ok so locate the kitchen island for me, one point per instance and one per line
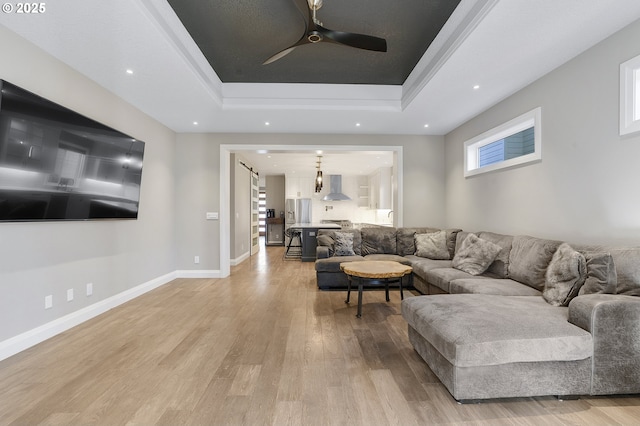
(308, 233)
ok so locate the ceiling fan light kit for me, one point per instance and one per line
(314, 4)
(314, 32)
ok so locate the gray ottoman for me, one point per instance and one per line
(485, 346)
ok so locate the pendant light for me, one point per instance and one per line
(318, 175)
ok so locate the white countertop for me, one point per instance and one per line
(316, 225)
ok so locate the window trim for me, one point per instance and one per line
(629, 96)
(529, 119)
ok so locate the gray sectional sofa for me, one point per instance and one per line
(379, 243)
(533, 317)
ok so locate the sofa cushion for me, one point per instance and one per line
(529, 259)
(332, 264)
(386, 257)
(601, 274)
(343, 245)
(472, 330)
(405, 243)
(487, 285)
(627, 263)
(379, 240)
(421, 264)
(565, 275)
(500, 266)
(432, 245)
(452, 237)
(475, 255)
(441, 277)
(325, 240)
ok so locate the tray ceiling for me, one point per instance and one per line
(236, 37)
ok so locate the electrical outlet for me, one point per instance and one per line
(48, 301)
(89, 289)
(69, 295)
(196, 259)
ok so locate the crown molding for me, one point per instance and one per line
(464, 20)
(161, 13)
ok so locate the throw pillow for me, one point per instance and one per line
(564, 277)
(432, 245)
(529, 259)
(475, 255)
(601, 274)
(327, 241)
(344, 244)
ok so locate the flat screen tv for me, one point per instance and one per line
(56, 164)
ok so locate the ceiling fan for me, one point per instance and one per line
(315, 33)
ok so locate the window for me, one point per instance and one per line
(514, 143)
(630, 96)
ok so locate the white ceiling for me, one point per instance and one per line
(500, 45)
(303, 163)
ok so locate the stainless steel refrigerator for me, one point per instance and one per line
(297, 210)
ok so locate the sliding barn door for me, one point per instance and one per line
(255, 214)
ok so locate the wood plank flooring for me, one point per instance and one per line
(261, 347)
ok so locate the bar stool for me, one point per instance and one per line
(294, 248)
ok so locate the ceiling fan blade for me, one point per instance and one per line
(288, 50)
(307, 19)
(360, 41)
(279, 55)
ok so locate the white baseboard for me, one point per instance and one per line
(238, 260)
(198, 273)
(32, 337)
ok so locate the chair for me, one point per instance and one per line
(294, 248)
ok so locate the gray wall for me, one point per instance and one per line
(275, 193)
(197, 179)
(585, 188)
(198, 156)
(47, 258)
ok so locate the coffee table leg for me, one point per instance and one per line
(401, 292)
(359, 314)
(386, 289)
(348, 288)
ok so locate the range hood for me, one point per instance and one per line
(335, 189)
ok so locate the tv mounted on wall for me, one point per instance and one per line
(56, 164)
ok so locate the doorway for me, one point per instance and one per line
(226, 209)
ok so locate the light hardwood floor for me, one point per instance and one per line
(260, 347)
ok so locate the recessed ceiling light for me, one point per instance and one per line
(129, 71)
(476, 87)
(266, 123)
(426, 125)
(195, 123)
(357, 124)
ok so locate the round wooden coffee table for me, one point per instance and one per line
(374, 272)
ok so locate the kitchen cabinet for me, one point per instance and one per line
(380, 189)
(363, 191)
(298, 186)
(274, 235)
(373, 190)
